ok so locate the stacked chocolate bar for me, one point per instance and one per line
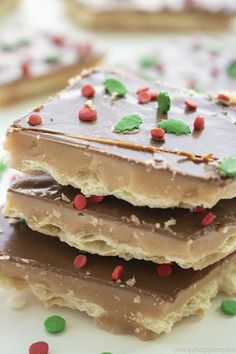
(137, 183)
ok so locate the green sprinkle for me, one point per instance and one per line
(163, 100)
(128, 123)
(229, 307)
(3, 167)
(116, 87)
(173, 126)
(148, 62)
(23, 42)
(231, 69)
(52, 58)
(54, 324)
(228, 166)
(7, 47)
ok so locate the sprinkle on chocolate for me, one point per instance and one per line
(173, 126)
(228, 166)
(158, 134)
(116, 87)
(199, 123)
(80, 202)
(88, 91)
(208, 219)
(164, 103)
(190, 104)
(117, 273)
(35, 119)
(128, 123)
(164, 270)
(80, 261)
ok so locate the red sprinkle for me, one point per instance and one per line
(96, 199)
(35, 119)
(39, 348)
(58, 40)
(164, 270)
(144, 96)
(83, 49)
(117, 272)
(215, 71)
(88, 91)
(199, 209)
(26, 68)
(190, 104)
(154, 95)
(158, 134)
(142, 88)
(160, 67)
(208, 219)
(80, 202)
(224, 99)
(80, 261)
(199, 123)
(87, 114)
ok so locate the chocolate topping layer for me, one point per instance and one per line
(23, 245)
(160, 235)
(62, 128)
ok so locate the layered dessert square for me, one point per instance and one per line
(137, 15)
(149, 144)
(122, 296)
(36, 62)
(111, 227)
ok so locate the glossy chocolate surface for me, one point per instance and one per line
(188, 223)
(61, 124)
(21, 245)
(198, 62)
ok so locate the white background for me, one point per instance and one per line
(18, 329)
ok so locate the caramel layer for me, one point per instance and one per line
(116, 228)
(142, 303)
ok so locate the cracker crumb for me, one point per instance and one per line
(135, 220)
(137, 300)
(170, 222)
(131, 282)
(56, 213)
(65, 198)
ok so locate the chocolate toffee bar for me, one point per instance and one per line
(116, 228)
(182, 15)
(34, 62)
(142, 142)
(7, 6)
(209, 63)
(138, 300)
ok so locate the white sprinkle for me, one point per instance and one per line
(16, 301)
